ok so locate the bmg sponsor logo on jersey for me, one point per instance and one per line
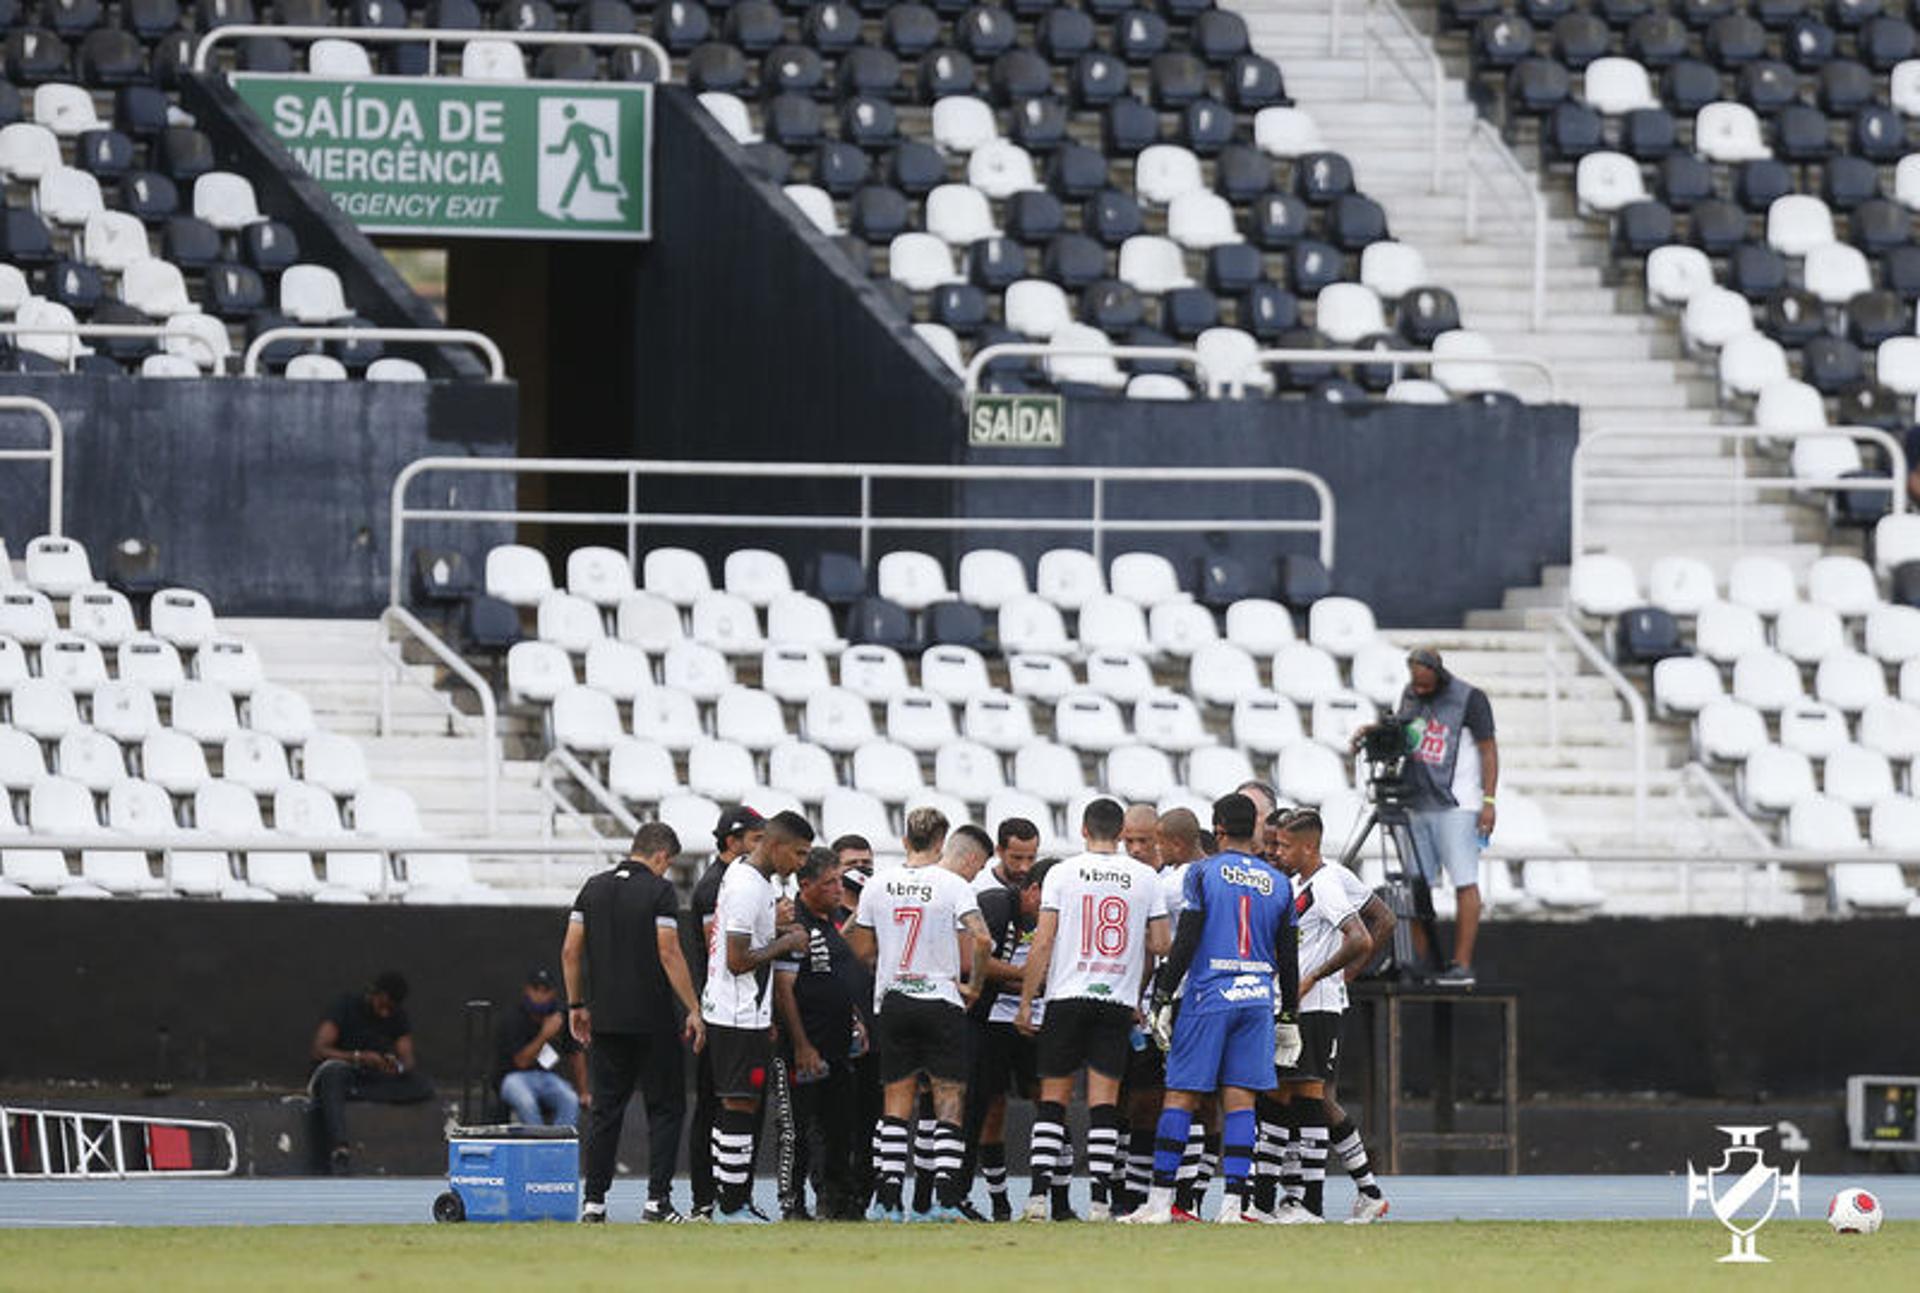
(1247, 878)
(1094, 875)
(918, 890)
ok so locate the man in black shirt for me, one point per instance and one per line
(624, 972)
(1003, 1060)
(822, 1012)
(737, 834)
(363, 1050)
(538, 1069)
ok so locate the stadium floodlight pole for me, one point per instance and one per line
(480, 341)
(432, 38)
(54, 455)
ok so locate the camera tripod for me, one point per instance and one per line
(1406, 892)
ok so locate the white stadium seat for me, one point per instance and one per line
(1727, 731)
(955, 674)
(1714, 316)
(874, 673)
(1179, 628)
(836, 719)
(1040, 677)
(1676, 274)
(1849, 680)
(1603, 585)
(962, 123)
(1813, 729)
(1684, 685)
(1260, 625)
(1090, 722)
(1266, 723)
(1170, 720)
(1286, 132)
(1614, 87)
(492, 60)
(989, 577)
(1774, 779)
(1724, 632)
(1729, 132)
(518, 575)
(1766, 680)
(1604, 182)
(1304, 673)
(1857, 777)
(601, 575)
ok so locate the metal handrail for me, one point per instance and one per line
(54, 455)
(562, 758)
(1096, 522)
(496, 363)
(81, 331)
(1484, 135)
(1436, 73)
(1428, 358)
(398, 617)
(1636, 711)
(1015, 349)
(1739, 484)
(432, 38)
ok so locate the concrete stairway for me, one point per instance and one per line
(334, 664)
(1620, 364)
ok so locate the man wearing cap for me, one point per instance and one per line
(540, 1071)
(737, 834)
(1453, 766)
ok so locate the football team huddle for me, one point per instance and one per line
(1194, 979)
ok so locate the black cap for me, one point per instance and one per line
(1234, 815)
(539, 979)
(736, 820)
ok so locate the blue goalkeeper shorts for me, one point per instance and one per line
(1224, 1048)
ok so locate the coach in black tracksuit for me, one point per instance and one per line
(625, 972)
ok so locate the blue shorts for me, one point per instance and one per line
(1226, 1048)
(1446, 841)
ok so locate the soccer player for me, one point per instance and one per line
(1334, 941)
(1139, 835)
(1234, 946)
(1002, 1059)
(752, 930)
(1177, 839)
(1101, 920)
(737, 834)
(919, 928)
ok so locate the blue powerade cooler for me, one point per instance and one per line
(511, 1173)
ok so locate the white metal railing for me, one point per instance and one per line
(1046, 349)
(1738, 485)
(54, 455)
(432, 38)
(94, 1145)
(1418, 358)
(398, 620)
(1424, 59)
(1697, 776)
(1095, 522)
(1636, 709)
(561, 761)
(107, 331)
(1483, 141)
(480, 341)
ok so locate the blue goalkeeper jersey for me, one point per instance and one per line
(1248, 905)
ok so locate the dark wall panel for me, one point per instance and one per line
(270, 496)
(1723, 1009)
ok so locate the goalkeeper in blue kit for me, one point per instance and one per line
(1234, 946)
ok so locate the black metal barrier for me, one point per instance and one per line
(1698, 1008)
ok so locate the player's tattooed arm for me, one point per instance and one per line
(975, 943)
(1379, 920)
(744, 958)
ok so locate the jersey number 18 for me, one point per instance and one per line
(1103, 926)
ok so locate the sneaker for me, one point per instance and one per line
(1455, 976)
(1002, 1210)
(878, 1211)
(1148, 1215)
(702, 1212)
(1232, 1212)
(1294, 1213)
(798, 1212)
(1037, 1209)
(593, 1214)
(340, 1162)
(967, 1212)
(1099, 1212)
(747, 1216)
(1367, 1209)
(763, 1218)
(1182, 1215)
(661, 1211)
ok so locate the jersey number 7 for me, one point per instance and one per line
(910, 917)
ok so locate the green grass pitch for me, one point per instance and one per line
(1486, 1257)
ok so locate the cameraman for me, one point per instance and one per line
(1450, 791)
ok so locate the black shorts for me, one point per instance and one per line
(918, 1035)
(740, 1059)
(1319, 1048)
(1081, 1033)
(1003, 1062)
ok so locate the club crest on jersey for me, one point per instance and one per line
(1303, 900)
(1248, 878)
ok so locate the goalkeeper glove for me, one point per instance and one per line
(1286, 1042)
(1160, 1021)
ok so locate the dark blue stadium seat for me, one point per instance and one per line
(716, 67)
(1846, 182)
(522, 15)
(24, 239)
(1139, 34)
(1279, 220)
(234, 291)
(106, 154)
(190, 242)
(1234, 268)
(960, 306)
(1683, 179)
(770, 161)
(266, 54)
(1656, 40)
(1312, 265)
(792, 69)
(680, 25)
(1111, 216)
(1355, 222)
(1500, 40)
(1648, 134)
(869, 122)
(839, 168)
(1040, 124)
(269, 246)
(1186, 312)
(1268, 311)
(916, 167)
(1579, 38)
(1254, 82)
(148, 196)
(1640, 227)
(1425, 313)
(566, 63)
(1646, 635)
(1076, 172)
(879, 214)
(1571, 131)
(867, 70)
(1019, 75)
(1878, 225)
(1795, 317)
(1074, 261)
(1688, 85)
(1096, 80)
(875, 621)
(1319, 178)
(1176, 78)
(1035, 216)
(1536, 85)
(1221, 579)
(1242, 173)
(35, 55)
(910, 30)
(1113, 307)
(111, 57)
(830, 27)
(996, 263)
(1063, 35)
(1207, 126)
(1757, 184)
(1831, 364)
(1129, 126)
(985, 32)
(1716, 226)
(1877, 316)
(956, 623)
(1756, 271)
(792, 120)
(76, 286)
(942, 72)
